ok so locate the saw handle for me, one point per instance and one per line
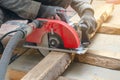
(85, 36)
(38, 23)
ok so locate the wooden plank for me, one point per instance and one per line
(23, 64)
(110, 28)
(53, 65)
(112, 25)
(102, 61)
(104, 51)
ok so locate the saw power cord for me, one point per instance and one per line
(6, 56)
(8, 34)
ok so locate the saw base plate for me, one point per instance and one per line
(80, 50)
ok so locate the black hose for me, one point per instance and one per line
(7, 34)
(1, 47)
(8, 53)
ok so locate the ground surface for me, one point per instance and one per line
(82, 71)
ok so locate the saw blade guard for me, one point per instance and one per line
(66, 32)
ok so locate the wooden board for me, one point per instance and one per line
(24, 64)
(104, 51)
(112, 25)
(53, 65)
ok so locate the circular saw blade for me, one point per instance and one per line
(44, 43)
(50, 41)
(55, 41)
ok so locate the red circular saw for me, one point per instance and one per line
(54, 35)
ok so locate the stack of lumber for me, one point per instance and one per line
(103, 51)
